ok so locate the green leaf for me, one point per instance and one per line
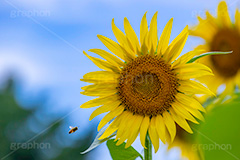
(207, 54)
(219, 135)
(96, 141)
(121, 153)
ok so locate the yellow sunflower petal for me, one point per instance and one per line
(131, 35)
(102, 64)
(223, 14)
(111, 128)
(195, 113)
(105, 108)
(108, 56)
(178, 108)
(164, 38)
(237, 19)
(120, 141)
(195, 74)
(176, 47)
(187, 57)
(120, 36)
(110, 116)
(211, 82)
(211, 19)
(121, 129)
(193, 87)
(192, 70)
(190, 67)
(153, 36)
(189, 101)
(207, 26)
(95, 93)
(180, 121)
(123, 41)
(99, 89)
(101, 77)
(102, 86)
(184, 31)
(153, 134)
(135, 130)
(206, 29)
(128, 127)
(160, 127)
(114, 47)
(143, 29)
(100, 101)
(143, 130)
(202, 47)
(145, 47)
(168, 137)
(170, 124)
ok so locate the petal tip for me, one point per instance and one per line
(99, 36)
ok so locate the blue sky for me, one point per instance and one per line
(43, 41)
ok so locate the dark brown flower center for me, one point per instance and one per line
(226, 40)
(147, 86)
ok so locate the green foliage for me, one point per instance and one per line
(14, 129)
(219, 135)
(11, 116)
(120, 153)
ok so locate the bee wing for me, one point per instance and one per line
(71, 127)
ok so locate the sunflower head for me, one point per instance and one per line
(220, 34)
(147, 85)
(142, 86)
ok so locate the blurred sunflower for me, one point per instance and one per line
(220, 34)
(188, 145)
(144, 89)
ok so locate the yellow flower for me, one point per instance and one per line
(220, 34)
(145, 89)
(188, 144)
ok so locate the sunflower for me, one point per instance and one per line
(188, 145)
(142, 87)
(220, 34)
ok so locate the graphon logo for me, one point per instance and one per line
(30, 145)
(29, 13)
(211, 147)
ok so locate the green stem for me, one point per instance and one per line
(148, 150)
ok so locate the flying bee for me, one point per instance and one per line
(72, 129)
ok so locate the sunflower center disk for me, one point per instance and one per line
(147, 86)
(226, 40)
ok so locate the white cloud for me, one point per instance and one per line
(13, 61)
